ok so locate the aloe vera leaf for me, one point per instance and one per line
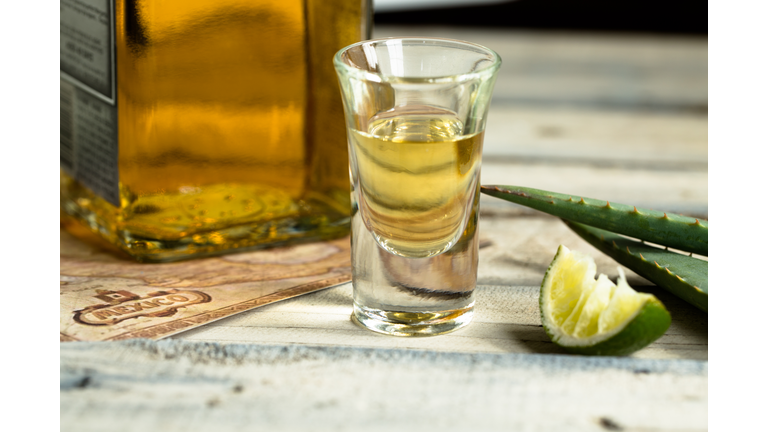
(683, 276)
(668, 229)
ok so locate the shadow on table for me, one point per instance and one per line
(535, 340)
(687, 322)
(686, 319)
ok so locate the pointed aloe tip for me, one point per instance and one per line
(628, 251)
(608, 205)
(642, 257)
(635, 210)
(615, 245)
(582, 201)
(570, 198)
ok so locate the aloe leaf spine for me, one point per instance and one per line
(668, 229)
(683, 276)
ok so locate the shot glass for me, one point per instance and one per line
(415, 111)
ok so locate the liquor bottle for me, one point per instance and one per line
(196, 127)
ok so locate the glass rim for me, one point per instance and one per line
(376, 77)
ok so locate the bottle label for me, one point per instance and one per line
(88, 143)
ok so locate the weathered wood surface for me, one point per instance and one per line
(173, 386)
(619, 71)
(507, 310)
(616, 117)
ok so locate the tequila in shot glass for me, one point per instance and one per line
(415, 113)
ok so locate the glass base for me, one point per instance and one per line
(412, 323)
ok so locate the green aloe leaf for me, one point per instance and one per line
(668, 229)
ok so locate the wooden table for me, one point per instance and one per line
(621, 118)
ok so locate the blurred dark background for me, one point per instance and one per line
(646, 16)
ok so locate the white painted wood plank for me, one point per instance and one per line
(173, 386)
(626, 70)
(267, 326)
(675, 191)
(651, 140)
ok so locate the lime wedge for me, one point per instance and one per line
(596, 317)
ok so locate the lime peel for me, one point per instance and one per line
(596, 317)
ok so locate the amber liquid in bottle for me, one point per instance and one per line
(230, 127)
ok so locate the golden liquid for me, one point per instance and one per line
(230, 126)
(417, 178)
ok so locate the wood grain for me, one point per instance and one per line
(591, 137)
(614, 71)
(181, 386)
